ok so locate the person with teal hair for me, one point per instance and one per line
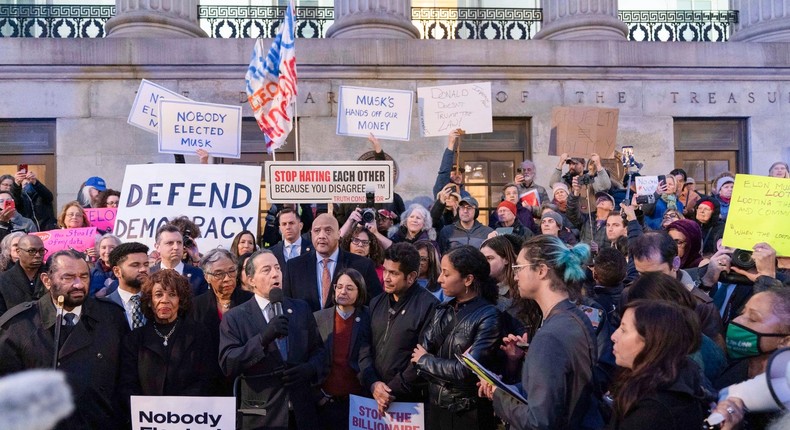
(557, 370)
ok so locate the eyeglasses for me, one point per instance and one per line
(34, 251)
(360, 242)
(222, 275)
(517, 267)
(671, 216)
(74, 215)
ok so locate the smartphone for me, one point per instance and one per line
(21, 168)
(662, 178)
(628, 152)
(9, 204)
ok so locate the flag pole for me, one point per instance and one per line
(296, 98)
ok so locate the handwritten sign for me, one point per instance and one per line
(221, 199)
(183, 413)
(102, 218)
(145, 109)
(364, 415)
(328, 181)
(646, 185)
(581, 131)
(445, 108)
(187, 126)
(78, 239)
(385, 113)
(759, 209)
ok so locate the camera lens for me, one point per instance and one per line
(743, 259)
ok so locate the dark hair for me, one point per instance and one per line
(119, 253)
(652, 243)
(468, 260)
(406, 255)
(169, 279)
(670, 333)
(52, 261)
(167, 228)
(433, 263)
(567, 265)
(610, 267)
(234, 247)
(359, 281)
(681, 172)
(504, 249)
(4, 177)
(104, 195)
(660, 286)
(287, 210)
(516, 241)
(185, 224)
(249, 268)
(375, 252)
(240, 268)
(780, 305)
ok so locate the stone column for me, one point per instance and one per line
(581, 20)
(155, 18)
(375, 19)
(761, 21)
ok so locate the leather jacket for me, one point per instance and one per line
(475, 325)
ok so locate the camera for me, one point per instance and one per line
(646, 200)
(188, 241)
(742, 259)
(585, 178)
(368, 215)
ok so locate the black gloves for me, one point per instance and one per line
(277, 327)
(297, 374)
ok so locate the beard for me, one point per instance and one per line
(133, 282)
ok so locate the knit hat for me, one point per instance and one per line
(553, 215)
(559, 186)
(508, 205)
(707, 203)
(723, 181)
(693, 246)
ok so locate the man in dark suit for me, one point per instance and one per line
(275, 357)
(293, 243)
(129, 263)
(310, 277)
(89, 347)
(21, 283)
(170, 245)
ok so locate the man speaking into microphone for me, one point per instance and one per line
(273, 347)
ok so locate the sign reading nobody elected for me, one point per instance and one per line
(328, 181)
(385, 113)
(222, 200)
(183, 413)
(187, 126)
(363, 414)
(581, 131)
(145, 110)
(759, 210)
(445, 108)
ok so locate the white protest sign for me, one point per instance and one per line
(145, 109)
(221, 199)
(186, 126)
(363, 414)
(385, 113)
(646, 185)
(465, 106)
(328, 181)
(183, 413)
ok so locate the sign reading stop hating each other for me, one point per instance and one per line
(328, 182)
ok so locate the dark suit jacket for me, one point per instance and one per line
(196, 278)
(279, 250)
(89, 356)
(360, 355)
(300, 280)
(15, 288)
(262, 396)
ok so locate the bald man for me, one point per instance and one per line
(22, 282)
(311, 276)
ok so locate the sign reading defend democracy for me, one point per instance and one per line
(759, 211)
(385, 113)
(363, 414)
(183, 413)
(78, 239)
(445, 108)
(328, 181)
(187, 126)
(222, 200)
(145, 110)
(581, 131)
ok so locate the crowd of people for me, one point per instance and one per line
(602, 310)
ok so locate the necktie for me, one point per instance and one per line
(68, 319)
(138, 320)
(68, 326)
(282, 343)
(326, 280)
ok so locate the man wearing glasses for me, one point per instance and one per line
(22, 282)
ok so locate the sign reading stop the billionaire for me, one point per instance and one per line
(328, 181)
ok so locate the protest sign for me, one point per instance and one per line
(530, 197)
(328, 181)
(580, 131)
(363, 414)
(186, 126)
(221, 199)
(183, 413)
(78, 239)
(102, 218)
(759, 210)
(385, 113)
(446, 108)
(646, 185)
(145, 109)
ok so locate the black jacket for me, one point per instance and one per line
(15, 287)
(36, 206)
(475, 326)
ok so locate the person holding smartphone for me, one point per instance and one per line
(33, 199)
(10, 219)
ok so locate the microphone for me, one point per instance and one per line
(276, 299)
(34, 400)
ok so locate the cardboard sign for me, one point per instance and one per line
(328, 181)
(531, 197)
(183, 413)
(646, 185)
(187, 126)
(145, 109)
(78, 239)
(221, 199)
(102, 218)
(363, 414)
(759, 212)
(385, 113)
(581, 131)
(446, 108)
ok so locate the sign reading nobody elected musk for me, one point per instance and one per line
(221, 199)
(328, 181)
(363, 414)
(183, 413)
(445, 108)
(187, 126)
(385, 113)
(145, 110)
